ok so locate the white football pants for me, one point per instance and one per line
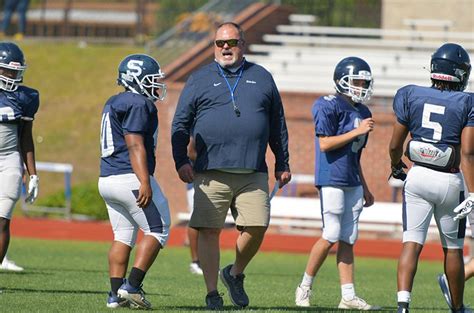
(120, 195)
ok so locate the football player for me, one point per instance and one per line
(342, 123)
(440, 120)
(133, 197)
(18, 106)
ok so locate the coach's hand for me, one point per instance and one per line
(464, 208)
(398, 171)
(33, 188)
(186, 173)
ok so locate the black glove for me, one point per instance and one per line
(398, 172)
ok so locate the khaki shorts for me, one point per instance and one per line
(216, 192)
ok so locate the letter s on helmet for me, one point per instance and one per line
(140, 73)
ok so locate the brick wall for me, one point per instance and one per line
(375, 159)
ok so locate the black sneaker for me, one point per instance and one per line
(235, 286)
(214, 301)
(402, 307)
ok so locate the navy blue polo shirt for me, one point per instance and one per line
(223, 138)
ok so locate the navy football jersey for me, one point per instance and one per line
(20, 104)
(432, 115)
(333, 116)
(126, 113)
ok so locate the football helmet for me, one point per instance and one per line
(140, 73)
(12, 66)
(348, 70)
(451, 63)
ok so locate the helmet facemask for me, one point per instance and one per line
(152, 88)
(149, 85)
(11, 75)
(348, 87)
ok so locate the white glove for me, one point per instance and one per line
(464, 208)
(33, 187)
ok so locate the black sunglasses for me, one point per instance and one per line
(230, 42)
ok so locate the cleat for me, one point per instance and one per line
(214, 301)
(235, 286)
(443, 284)
(135, 296)
(9, 265)
(357, 303)
(114, 301)
(302, 295)
(194, 268)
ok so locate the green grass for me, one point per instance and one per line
(65, 276)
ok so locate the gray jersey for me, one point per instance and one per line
(8, 138)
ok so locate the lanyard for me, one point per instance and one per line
(232, 89)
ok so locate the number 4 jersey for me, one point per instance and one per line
(126, 113)
(434, 116)
(334, 116)
(15, 106)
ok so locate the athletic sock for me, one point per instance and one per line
(115, 283)
(347, 291)
(307, 280)
(136, 277)
(404, 297)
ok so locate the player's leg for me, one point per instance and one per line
(469, 266)
(353, 204)
(8, 9)
(332, 208)
(117, 194)
(452, 235)
(417, 213)
(154, 221)
(251, 211)
(22, 7)
(10, 188)
(195, 266)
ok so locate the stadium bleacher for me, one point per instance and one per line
(302, 57)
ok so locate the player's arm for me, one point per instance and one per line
(27, 149)
(467, 166)
(328, 143)
(467, 156)
(137, 152)
(400, 133)
(368, 197)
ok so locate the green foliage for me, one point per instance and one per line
(172, 11)
(85, 200)
(68, 276)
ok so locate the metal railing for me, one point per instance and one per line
(193, 29)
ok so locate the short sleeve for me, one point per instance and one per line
(400, 107)
(135, 120)
(31, 105)
(470, 119)
(325, 118)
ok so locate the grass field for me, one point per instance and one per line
(64, 276)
